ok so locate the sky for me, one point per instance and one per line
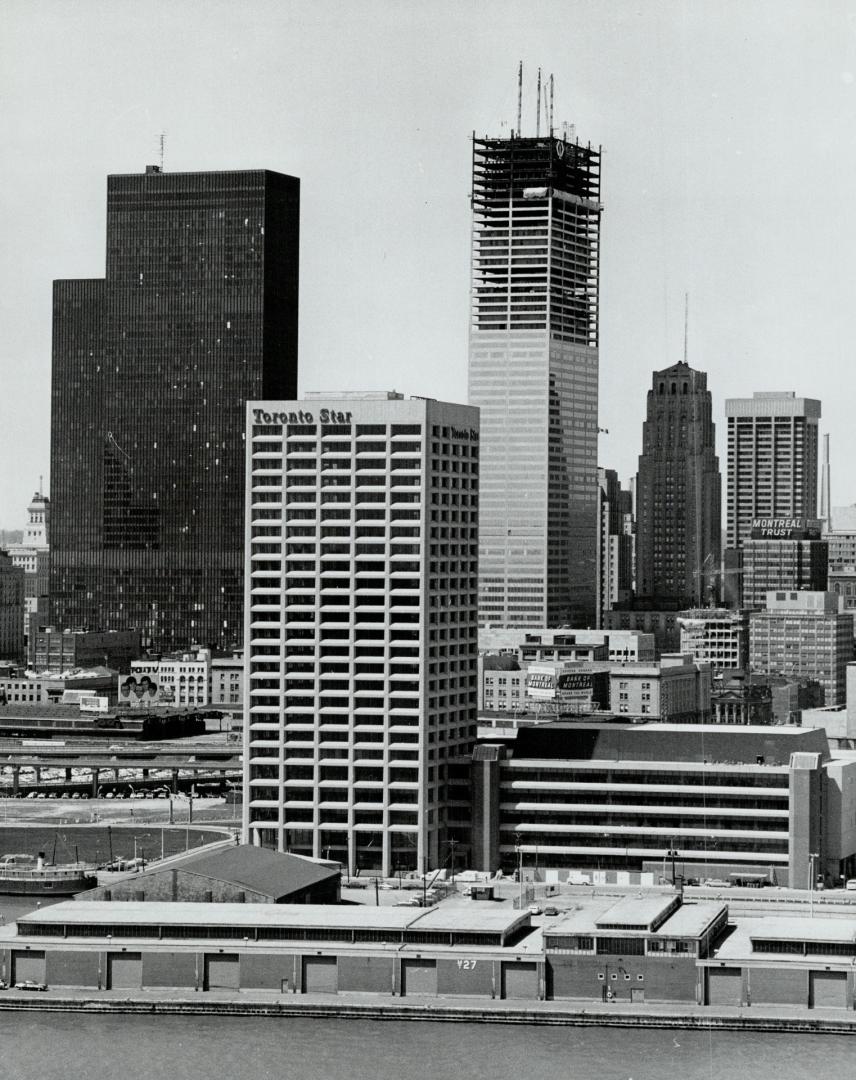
(729, 138)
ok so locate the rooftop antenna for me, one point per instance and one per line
(825, 493)
(686, 323)
(538, 109)
(41, 480)
(520, 99)
(162, 140)
(551, 105)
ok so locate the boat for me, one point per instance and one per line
(27, 875)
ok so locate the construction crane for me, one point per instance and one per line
(718, 573)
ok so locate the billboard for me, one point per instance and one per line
(541, 685)
(785, 528)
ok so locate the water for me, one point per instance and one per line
(57, 1046)
(97, 844)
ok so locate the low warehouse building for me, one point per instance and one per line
(239, 874)
(785, 961)
(638, 949)
(474, 950)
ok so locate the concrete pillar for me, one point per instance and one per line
(68, 776)
(16, 778)
(174, 784)
(94, 783)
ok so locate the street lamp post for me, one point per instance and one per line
(812, 856)
(519, 851)
(672, 854)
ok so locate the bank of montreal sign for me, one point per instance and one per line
(785, 529)
(544, 685)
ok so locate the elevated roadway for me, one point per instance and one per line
(147, 764)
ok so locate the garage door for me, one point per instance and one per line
(827, 990)
(222, 972)
(124, 971)
(419, 977)
(520, 980)
(28, 965)
(724, 986)
(320, 975)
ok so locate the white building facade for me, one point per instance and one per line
(360, 624)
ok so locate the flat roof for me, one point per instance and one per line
(828, 928)
(636, 911)
(691, 919)
(467, 916)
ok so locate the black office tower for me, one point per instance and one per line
(678, 494)
(152, 367)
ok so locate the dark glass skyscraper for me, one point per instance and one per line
(678, 493)
(152, 366)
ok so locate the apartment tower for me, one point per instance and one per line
(533, 373)
(361, 628)
(152, 367)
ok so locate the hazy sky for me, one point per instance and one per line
(729, 172)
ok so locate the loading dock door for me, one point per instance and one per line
(724, 986)
(320, 975)
(124, 971)
(827, 990)
(419, 977)
(28, 965)
(222, 971)
(520, 980)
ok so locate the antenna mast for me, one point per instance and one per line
(551, 105)
(538, 109)
(686, 323)
(520, 99)
(162, 140)
(825, 492)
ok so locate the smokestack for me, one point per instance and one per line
(825, 490)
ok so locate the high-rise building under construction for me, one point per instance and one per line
(533, 372)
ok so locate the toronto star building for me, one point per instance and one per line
(361, 627)
(152, 366)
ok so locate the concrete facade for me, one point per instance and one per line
(805, 636)
(361, 626)
(728, 800)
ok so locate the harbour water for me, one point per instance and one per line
(42, 1046)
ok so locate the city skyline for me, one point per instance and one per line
(700, 176)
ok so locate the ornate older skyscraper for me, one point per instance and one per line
(152, 367)
(533, 374)
(678, 493)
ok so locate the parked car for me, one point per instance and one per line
(30, 984)
(850, 884)
(551, 910)
(716, 883)
(534, 909)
